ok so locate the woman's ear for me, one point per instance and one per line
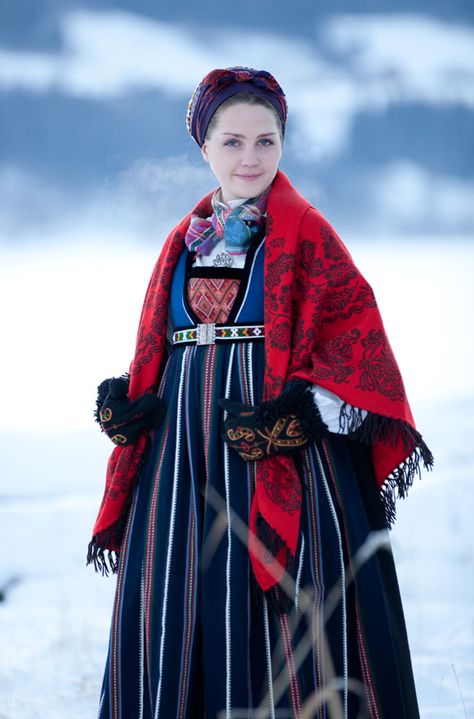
(204, 154)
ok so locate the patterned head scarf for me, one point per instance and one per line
(219, 85)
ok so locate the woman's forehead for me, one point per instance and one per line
(236, 117)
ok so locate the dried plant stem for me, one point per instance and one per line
(330, 693)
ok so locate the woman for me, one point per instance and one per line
(262, 439)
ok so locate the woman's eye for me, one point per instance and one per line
(264, 141)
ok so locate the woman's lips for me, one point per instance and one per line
(248, 178)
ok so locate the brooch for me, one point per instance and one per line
(223, 259)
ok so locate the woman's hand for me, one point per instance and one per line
(123, 420)
(282, 425)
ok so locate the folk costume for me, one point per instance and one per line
(240, 583)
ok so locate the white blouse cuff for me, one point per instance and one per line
(329, 405)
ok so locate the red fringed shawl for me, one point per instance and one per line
(322, 324)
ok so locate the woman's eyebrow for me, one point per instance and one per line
(236, 134)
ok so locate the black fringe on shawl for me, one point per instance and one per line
(377, 428)
(103, 559)
(277, 598)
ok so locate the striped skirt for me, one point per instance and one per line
(190, 637)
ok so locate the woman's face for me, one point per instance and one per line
(243, 150)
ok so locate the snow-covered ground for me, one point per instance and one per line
(68, 320)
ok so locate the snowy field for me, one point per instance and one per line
(68, 320)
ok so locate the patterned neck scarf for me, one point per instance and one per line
(236, 225)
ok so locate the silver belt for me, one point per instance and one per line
(208, 333)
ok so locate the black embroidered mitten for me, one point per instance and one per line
(123, 420)
(284, 424)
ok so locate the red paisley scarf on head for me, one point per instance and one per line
(322, 325)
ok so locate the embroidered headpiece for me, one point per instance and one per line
(218, 85)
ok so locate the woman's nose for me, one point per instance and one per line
(249, 158)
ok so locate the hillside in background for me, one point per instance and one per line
(92, 103)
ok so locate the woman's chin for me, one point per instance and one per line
(243, 187)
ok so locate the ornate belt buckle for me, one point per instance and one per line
(206, 333)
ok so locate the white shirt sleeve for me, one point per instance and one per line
(329, 405)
